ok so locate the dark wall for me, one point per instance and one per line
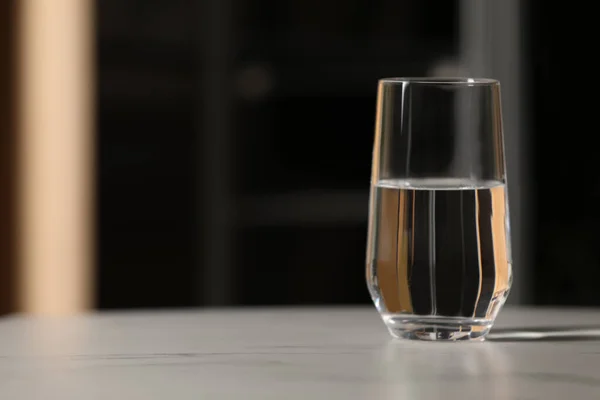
(564, 129)
(7, 159)
(300, 83)
(147, 71)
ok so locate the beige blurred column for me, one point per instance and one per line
(55, 123)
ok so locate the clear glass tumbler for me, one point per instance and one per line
(438, 260)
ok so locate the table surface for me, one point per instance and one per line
(283, 353)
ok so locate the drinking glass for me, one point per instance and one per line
(438, 259)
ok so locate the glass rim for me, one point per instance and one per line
(469, 81)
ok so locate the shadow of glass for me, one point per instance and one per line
(545, 334)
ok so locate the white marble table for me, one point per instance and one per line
(286, 354)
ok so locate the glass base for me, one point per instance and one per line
(434, 328)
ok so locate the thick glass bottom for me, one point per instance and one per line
(434, 328)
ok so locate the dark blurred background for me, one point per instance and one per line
(262, 108)
(233, 144)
